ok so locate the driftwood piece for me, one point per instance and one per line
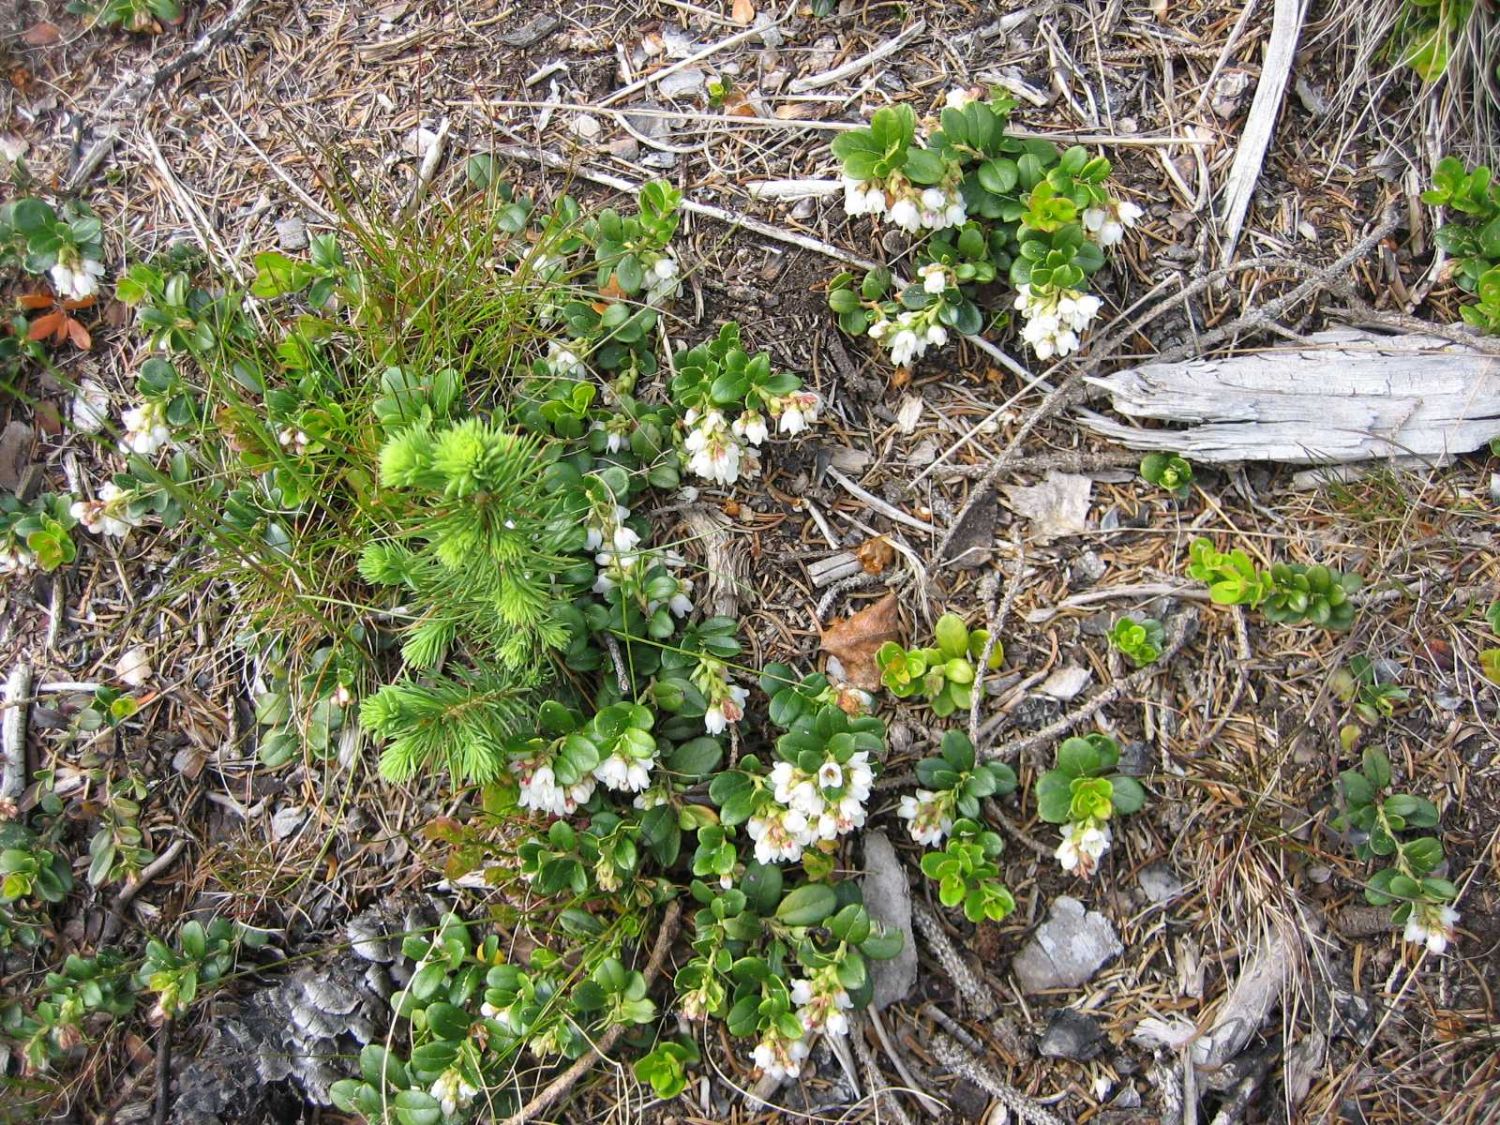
(1348, 395)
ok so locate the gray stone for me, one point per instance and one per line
(1087, 569)
(1071, 1035)
(291, 234)
(678, 83)
(1066, 682)
(1159, 882)
(888, 902)
(1067, 949)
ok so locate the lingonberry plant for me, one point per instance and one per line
(1288, 592)
(38, 535)
(1138, 641)
(1471, 235)
(1168, 471)
(946, 673)
(1083, 792)
(1375, 818)
(990, 205)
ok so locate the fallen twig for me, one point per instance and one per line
(163, 1072)
(856, 66)
(976, 996)
(1176, 638)
(559, 1087)
(889, 511)
(116, 920)
(1255, 135)
(13, 739)
(880, 1089)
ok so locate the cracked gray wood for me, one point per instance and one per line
(1347, 395)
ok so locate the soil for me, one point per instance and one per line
(1237, 737)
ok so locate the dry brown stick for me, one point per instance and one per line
(559, 1087)
(1073, 719)
(163, 1072)
(116, 920)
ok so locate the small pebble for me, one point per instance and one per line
(291, 234)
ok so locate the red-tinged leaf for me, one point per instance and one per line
(44, 326)
(48, 420)
(86, 302)
(34, 301)
(41, 34)
(79, 335)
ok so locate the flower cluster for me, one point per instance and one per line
(722, 451)
(74, 277)
(1431, 923)
(663, 280)
(780, 1057)
(822, 1003)
(1055, 318)
(811, 807)
(564, 362)
(146, 428)
(639, 574)
(910, 334)
(625, 770)
(906, 205)
(1109, 222)
(726, 701)
(930, 815)
(109, 514)
(453, 1091)
(540, 789)
(1084, 842)
(716, 450)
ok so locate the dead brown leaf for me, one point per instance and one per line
(41, 34)
(738, 105)
(743, 12)
(875, 554)
(854, 640)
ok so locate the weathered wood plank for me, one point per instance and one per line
(1349, 396)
